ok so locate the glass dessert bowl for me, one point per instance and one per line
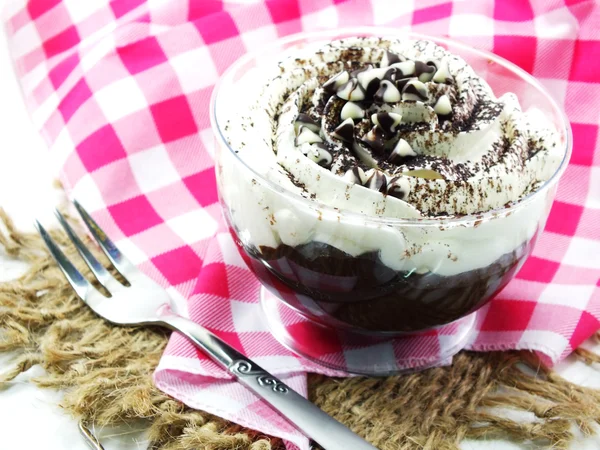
(377, 186)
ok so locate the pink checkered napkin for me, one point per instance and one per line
(120, 91)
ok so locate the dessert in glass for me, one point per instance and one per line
(381, 184)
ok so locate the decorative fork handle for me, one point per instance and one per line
(304, 415)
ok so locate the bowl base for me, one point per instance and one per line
(361, 353)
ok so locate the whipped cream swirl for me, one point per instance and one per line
(394, 128)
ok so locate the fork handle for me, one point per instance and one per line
(304, 415)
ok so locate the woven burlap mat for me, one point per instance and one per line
(106, 372)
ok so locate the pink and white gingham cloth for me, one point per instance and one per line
(120, 91)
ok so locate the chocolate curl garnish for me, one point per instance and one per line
(414, 90)
(331, 85)
(355, 175)
(345, 131)
(401, 152)
(424, 71)
(307, 136)
(387, 93)
(352, 91)
(390, 58)
(443, 107)
(387, 122)
(352, 110)
(442, 75)
(375, 140)
(306, 121)
(398, 187)
(377, 181)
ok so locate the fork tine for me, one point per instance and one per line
(73, 276)
(97, 269)
(118, 260)
(91, 440)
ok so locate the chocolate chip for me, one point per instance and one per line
(321, 156)
(377, 181)
(352, 91)
(331, 85)
(307, 136)
(442, 74)
(370, 79)
(393, 74)
(355, 175)
(424, 71)
(414, 90)
(352, 110)
(402, 82)
(442, 107)
(372, 88)
(375, 140)
(345, 131)
(387, 122)
(390, 58)
(354, 73)
(387, 93)
(307, 121)
(406, 67)
(401, 152)
(398, 188)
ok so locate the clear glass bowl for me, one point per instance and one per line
(358, 291)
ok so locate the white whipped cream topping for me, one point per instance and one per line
(261, 111)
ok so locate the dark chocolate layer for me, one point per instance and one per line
(363, 293)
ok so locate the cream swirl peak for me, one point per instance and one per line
(389, 127)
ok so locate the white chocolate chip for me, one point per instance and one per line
(337, 80)
(355, 175)
(407, 67)
(442, 74)
(352, 91)
(399, 187)
(403, 148)
(352, 111)
(337, 132)
(385, 60)
(307, 136)
(364, 78)
(427, 76)
(420, 87)
(442, 106)
(397, 118)
(320, 156)
(391, 94)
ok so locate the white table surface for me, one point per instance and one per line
(30, 416)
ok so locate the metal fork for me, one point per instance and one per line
(144, 302)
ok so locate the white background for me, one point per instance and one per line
(30, 417)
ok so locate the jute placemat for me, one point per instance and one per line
(106, 372)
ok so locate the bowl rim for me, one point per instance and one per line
(392, 32)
